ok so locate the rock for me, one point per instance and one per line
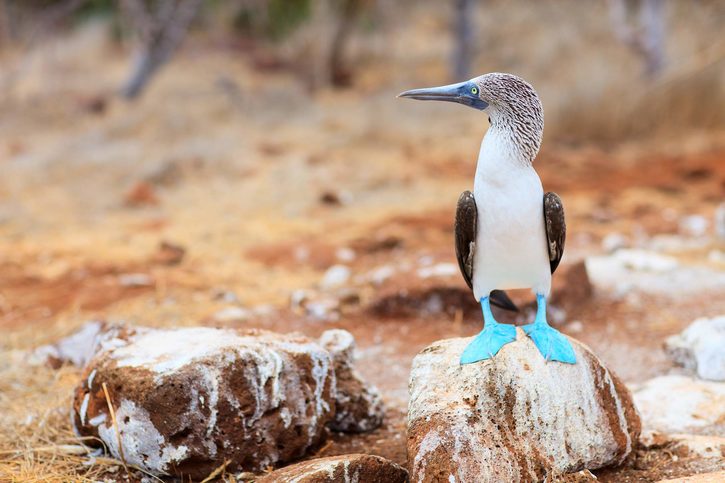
(719, 220)
(351, 468)
(168, 254)
(335, 276)
(187, 400)
(613, 242)
(694, 225)
(438, 270)
(700, 347)
(135, 280)
(514, 417)
(358, 407)
(77, 348)
(680, 404)
(694, 445)
(716, 477)
(231, 315)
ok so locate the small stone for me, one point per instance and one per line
(76, 349)
(135, 280)
(613, 242)
(232, 314)
(169, 254)
(379, 275)
(674, 404)
(642, 260)
(720, 221)
(350, 468)
(700, 347)
(345, 254)
(438, 270)
(514, 417)
(335, 276)
(694, 225)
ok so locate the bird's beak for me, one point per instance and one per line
(465, 93)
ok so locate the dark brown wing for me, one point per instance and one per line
(555, 228)
(465, 237)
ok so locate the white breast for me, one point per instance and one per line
(511, 248)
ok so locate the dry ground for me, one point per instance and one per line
(265, 186)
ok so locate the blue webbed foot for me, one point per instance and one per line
(552, 344)
(490, 340)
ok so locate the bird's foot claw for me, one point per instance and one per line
(552, 344)
(488, 342)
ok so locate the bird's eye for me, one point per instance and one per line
(474, 90)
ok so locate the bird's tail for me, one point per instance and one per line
(500, 299)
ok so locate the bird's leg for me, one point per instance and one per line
(490, 340)
(552, 344)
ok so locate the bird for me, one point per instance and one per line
(508, 233)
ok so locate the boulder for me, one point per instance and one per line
(514, 417)
(358, 406)
(700, 348)
(674, 403)
(351, 468)
(187, 400)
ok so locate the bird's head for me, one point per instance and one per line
(510, 102)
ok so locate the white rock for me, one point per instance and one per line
(380, 274)
(701, 347)
(438, 270)
(514, 417)
(135, 280)
(345, 254)
(642, 260)
(232, 314)
(77, 348)
(694, 225)
(335, 276)
(720, 221)
(614, 241)
(673, 403)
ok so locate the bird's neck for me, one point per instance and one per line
(502, 155)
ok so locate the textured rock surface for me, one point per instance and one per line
(701, 347)
(358, 406)
(680, 404)
(351, 468)
(515, 417)
(187, 400)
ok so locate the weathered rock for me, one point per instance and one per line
(187, 400)
(680, 404)
(79, 347)
(358, 406)
(351, 468)
(701, 347)
(514, 417)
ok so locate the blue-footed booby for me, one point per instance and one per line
(509, 234)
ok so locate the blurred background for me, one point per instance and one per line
(245, 163)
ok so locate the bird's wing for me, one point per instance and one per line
(555, 228)
(465, 237)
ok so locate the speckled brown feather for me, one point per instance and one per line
(555, 228)
(465, 241)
